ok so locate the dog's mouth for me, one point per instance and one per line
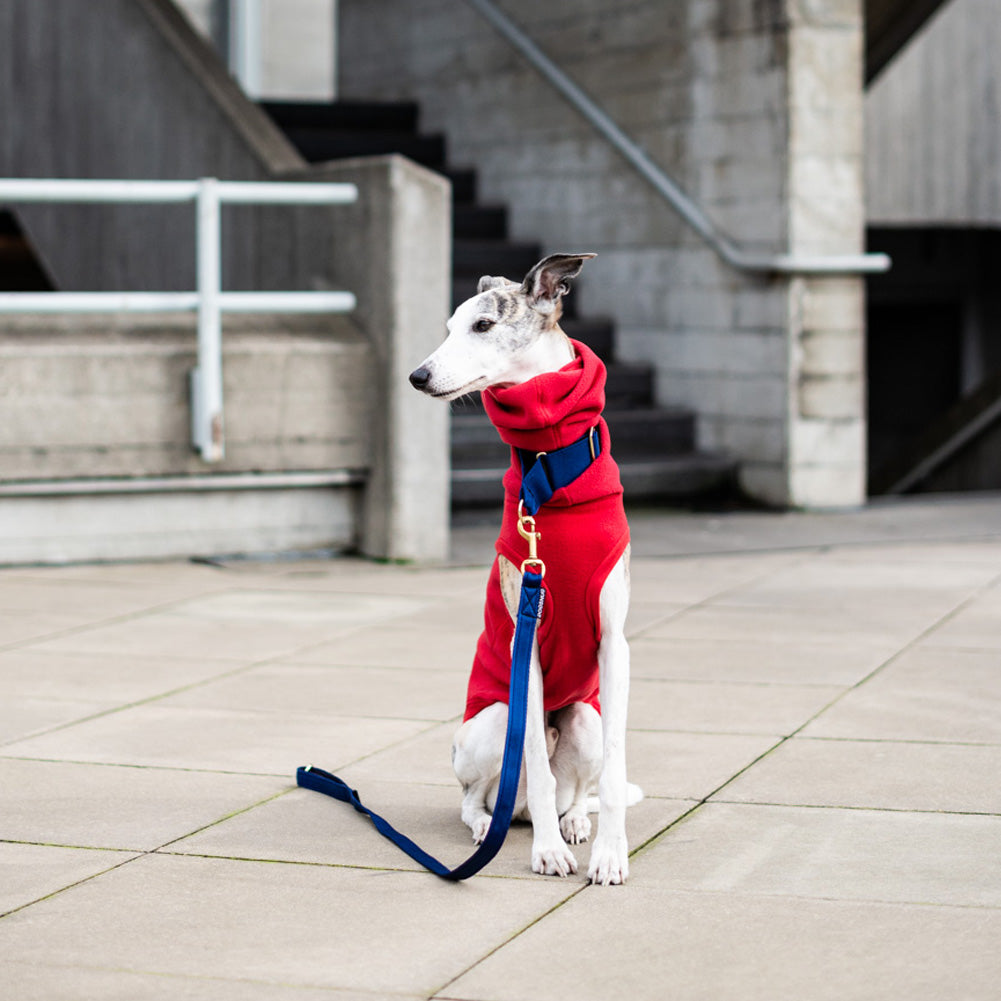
(480, 382)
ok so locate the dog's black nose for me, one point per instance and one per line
(420, 377)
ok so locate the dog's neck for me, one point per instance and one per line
(548, 353)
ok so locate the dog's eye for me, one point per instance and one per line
(483, 325)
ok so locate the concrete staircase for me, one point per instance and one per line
(654, 446)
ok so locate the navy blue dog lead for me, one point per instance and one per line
(321, 781)
(539, 483)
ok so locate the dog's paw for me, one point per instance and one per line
(479, 827)
(575, 828)
(609, 863)
(557, 860)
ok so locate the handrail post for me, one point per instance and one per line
(206, 378)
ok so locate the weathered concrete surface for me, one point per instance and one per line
(814, 720)
(104, 396)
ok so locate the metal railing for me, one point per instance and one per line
(665, 186)
(209, 301)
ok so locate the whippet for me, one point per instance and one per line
(541, 389)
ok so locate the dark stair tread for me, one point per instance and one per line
(479, 222)
(598, 333)
(672, 477)
(398, 116)
(320, 144)
(494, 257)
(628, 385)
(464, 184)
(637, 434)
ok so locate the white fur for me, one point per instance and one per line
(576, 750)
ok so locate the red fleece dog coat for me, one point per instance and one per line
(583, 533)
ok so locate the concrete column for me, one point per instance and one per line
(393, 250)
(826, 206)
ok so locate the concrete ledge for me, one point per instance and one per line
(177, 517)
(106, 396)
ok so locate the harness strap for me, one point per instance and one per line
(320, 781)
(543, 473)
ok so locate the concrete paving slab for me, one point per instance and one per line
(100, 806)
(644, 615)
(823, 622)
(689, 581)
(292, 925)
(391, 646)
(217, 740)
(646, 944)
(929, 693)
(31, 872)
(975, 628)
(57, 983)
(307, 827)
(875, 774)
(767, 660)
(423, 759)
(825, 574)
(183, 577)
(87, 601)
(887, 522)
(461, 615)
(689, 766)
(24, 716)
(237, 626)
(113, 679)
(829, 854)
(389, 693)
(17, 627)
(351, 575)
(725, 707)
(984, 551)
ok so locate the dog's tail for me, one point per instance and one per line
(633, 795)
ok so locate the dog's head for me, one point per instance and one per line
(505, 334)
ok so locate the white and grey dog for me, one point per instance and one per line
(506, 334)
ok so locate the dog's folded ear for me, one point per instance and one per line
(487, 282)
(550, 279)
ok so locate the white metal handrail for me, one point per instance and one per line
(208, 300)
(665, 186)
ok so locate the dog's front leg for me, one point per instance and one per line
(550, 854)
(610, 855)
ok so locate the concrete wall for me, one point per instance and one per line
(106, 396)
(755, 109)
(933, 132)
(297, 45)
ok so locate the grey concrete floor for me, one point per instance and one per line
(815, 719)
